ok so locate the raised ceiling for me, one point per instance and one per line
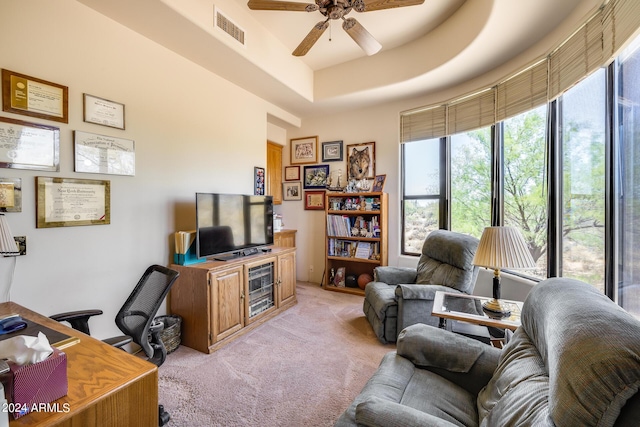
(425, 48)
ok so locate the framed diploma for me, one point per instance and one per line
(66, 202)
(34, 97)
(103, 112)
(26, 145)
(104, 154)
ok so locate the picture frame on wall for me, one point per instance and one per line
(39, 151)
(314, 200)
(258, 181)
(30, 96)
(304, 150)
(292, 191)
(361, 161)
(102, 111)
(66, 202)
(292, 173)
(332, 151)
(316, 176)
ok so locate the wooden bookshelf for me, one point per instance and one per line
(356, 236)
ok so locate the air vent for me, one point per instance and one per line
(228, 26)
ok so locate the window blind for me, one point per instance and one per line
(592, 46)
(522, 92)
(423, 124)
(620, 21)
(474, 112)
(577, 57)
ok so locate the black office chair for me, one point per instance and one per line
(136, 318)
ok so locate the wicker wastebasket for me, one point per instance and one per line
(170, 335)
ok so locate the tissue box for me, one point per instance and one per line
(33, 387)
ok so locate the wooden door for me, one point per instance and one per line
(274, 172)
(227, 305)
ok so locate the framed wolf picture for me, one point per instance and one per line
(361, 161)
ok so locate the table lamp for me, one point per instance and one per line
(8, 245)
(501, 247)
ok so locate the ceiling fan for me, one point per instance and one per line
(335, 9)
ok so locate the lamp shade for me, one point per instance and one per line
(503, 247)
(8, 244)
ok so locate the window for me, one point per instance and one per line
(629, 195)
(583, 180)
(471, 181)
(422, 192)
(525, 195)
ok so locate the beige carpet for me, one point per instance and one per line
(302, 368)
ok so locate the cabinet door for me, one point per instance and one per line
(274, 172)
(227, 302)
(260, 289)
(286, 278)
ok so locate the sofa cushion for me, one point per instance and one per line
(517, 394)
(592, 356)
(376, 412)
(398, 381)
(447, 260)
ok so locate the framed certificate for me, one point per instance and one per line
(26, 145)
(103, 112)
(30, 96)
(104, 154)
(67, 202)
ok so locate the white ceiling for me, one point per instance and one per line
(425, 48)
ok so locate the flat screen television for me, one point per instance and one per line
(232, 225)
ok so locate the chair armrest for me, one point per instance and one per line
(420, 292)
(78, 320)
(395, 275)
(460, 359)
(377, 412)
(119, 341)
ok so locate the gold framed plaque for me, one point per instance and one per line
(68, 202)
(30, 96)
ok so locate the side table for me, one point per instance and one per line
(468, 308)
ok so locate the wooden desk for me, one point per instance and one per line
(107, 386)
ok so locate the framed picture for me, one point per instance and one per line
(304, 150)
(258, 181)
(361, 160)
(25, 145)
(378, 184)
(292, 173)
(332, 151)
(316, 176)
(103, 154)
(291, 191)
(314, 200)
(10, 194)
(67, 202)
(102, 111)
(29, 96)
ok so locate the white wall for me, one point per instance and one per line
(192, 130)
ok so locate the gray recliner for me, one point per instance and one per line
(401, 296)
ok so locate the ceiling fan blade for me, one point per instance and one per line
(361, 36)
(311, 38)
(281, 5)
(370, 5)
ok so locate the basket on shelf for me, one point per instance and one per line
(170, 335)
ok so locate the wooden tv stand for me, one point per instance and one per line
(221, 300)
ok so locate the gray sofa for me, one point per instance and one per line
(399, 297)
(575, 361)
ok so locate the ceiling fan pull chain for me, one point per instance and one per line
(330, 33)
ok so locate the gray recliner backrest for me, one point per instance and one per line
(447, 260)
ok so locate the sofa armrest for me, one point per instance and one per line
(395, 275)
(377, 412)
(462, 360)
